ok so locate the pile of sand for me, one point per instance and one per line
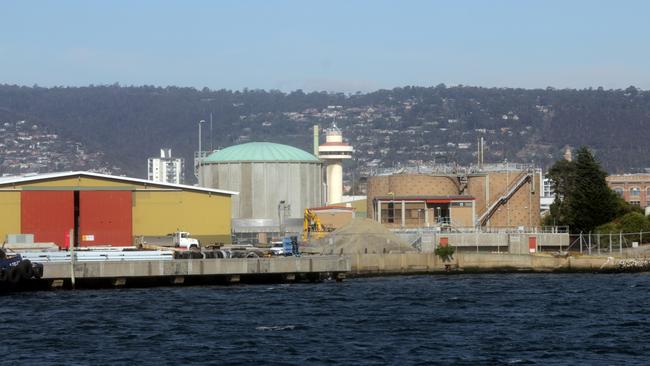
(360, 236)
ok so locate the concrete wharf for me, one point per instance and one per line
(469, 262)
(193, 271)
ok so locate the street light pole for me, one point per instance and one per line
(200, 157)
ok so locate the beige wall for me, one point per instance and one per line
(521, 210)
(523, 207)
(476, 187)
(334, 219)
(461, 216)
(409, 185)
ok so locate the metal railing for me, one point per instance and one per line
(522, 178)
(609, 243)
(489, 229)
(453, 169)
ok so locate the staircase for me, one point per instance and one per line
(505, 196)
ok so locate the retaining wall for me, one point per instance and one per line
(400, 263)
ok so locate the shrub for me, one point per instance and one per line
(445, 253)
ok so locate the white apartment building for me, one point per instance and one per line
(166, 169)
(548, 195)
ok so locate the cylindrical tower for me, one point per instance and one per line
(332, 152)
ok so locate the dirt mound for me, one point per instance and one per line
(360, 236)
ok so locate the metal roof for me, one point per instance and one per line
(20, 179)
(398, 197)
(260, 151)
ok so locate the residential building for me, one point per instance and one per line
(166, 169)
(547, 196)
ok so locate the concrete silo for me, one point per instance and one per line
(275, 184)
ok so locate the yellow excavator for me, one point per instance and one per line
(312, 227)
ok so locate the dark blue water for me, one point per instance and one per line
(468, 319)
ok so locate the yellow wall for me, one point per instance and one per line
(9, 214)
(360, 207)
(205, 216)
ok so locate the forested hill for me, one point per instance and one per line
(409, 125)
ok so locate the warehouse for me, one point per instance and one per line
(275, 183)
(110, 210)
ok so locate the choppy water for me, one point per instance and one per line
(478, 319)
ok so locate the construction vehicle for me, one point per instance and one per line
(312, 227)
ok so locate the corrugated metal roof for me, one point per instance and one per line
(19, 179)
(260, 151)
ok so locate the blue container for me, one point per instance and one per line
(288, 246)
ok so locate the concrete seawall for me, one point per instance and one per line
(403, 263)
(315, 268)
(179, 271)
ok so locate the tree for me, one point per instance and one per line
(633, 222)
(592, 202)
(583, 199)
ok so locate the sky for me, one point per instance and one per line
(333, 45)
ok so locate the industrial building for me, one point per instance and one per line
(493, 196)
(110, 210)
(275, 183)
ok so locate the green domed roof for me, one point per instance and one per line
(260, 151)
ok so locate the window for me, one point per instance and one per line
(390, 213)
(547, 189)
(619, 191)
(635, 191)
(635, 203)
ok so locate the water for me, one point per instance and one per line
(459, 319)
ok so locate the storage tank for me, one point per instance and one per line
(268, 177)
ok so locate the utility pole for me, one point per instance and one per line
(200, 156)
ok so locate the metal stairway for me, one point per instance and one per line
(524, 177)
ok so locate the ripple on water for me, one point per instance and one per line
(467, 320)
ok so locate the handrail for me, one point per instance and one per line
(512, 189)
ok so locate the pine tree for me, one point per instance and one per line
(562, 176)
(592, 202)
(583, 201)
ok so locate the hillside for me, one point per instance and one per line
(121, 126)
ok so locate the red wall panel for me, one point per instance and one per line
(105, 218)
(49, 215)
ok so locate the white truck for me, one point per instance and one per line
(178, 239)
(183, 240)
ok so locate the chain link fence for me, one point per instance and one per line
(607, 243)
